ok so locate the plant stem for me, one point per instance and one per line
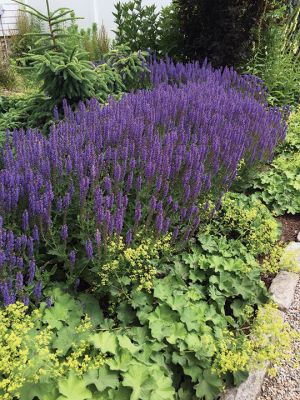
(50, 25)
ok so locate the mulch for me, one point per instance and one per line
(290, 227)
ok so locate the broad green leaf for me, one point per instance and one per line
(126, 343)
(73, 388)
(102, 378)
(209, 386)
(138, 379)
(121, 361)
(105, 341)
(43, 391)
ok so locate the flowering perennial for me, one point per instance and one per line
(144, 163)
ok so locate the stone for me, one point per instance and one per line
(294, 250)
(298, 237)
(248, 390)
(283, 289)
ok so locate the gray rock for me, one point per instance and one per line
(298, 237)
(248, 390)
(283, 289)
(294, 250)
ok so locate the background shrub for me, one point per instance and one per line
(137, 25)
(222, 32)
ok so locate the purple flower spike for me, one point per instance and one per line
(35, 234)
(98, 238)
(19, 281)
(37, 291)
(64, 232)
(128, 237)
(72, 258)
(31, 271)
(25, 220)
(138, 212)
(89, 248)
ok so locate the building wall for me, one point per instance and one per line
(9, 17)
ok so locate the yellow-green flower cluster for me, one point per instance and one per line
(270, 340)
(27, 354)
(249, 221)
(14, 326)
(278, 260)
(138, 263)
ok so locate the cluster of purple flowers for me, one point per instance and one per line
(18, 268)
(145, 162)
(168, 72)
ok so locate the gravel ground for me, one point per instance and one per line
(286, 385)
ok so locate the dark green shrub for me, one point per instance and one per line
(221, 31)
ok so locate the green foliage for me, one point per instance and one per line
(65, 75)
(137, 25)
(275, 57)
(95, 42)
(7, 75)
(25, 111)
(278, 68)
(278, 183)
(278, 186)
(170, 39)
(183, 339)
(130, 66)
(22, 41)
(247, 220)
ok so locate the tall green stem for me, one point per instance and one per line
(50, 25)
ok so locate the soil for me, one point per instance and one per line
(290, 227)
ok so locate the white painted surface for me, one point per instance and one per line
(92, 10)
(10, 11)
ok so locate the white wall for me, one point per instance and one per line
(10, 11)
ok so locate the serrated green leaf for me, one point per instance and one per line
(102, 378)
(73, 388)
(105, 341)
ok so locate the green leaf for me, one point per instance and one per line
(102, 378)
(209, 387)
(164, 388)
(121, 361)
(65, 337)
(105, 341)
(73, 388)
(126, 343)
(43, 391)
(138, 379)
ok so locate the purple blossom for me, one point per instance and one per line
(64, 232)
(89, 248)
(31, 271)
(25, 220)
(72, 258)
(37, 291)
(19, 281)
(98, 238)
(35, 234)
